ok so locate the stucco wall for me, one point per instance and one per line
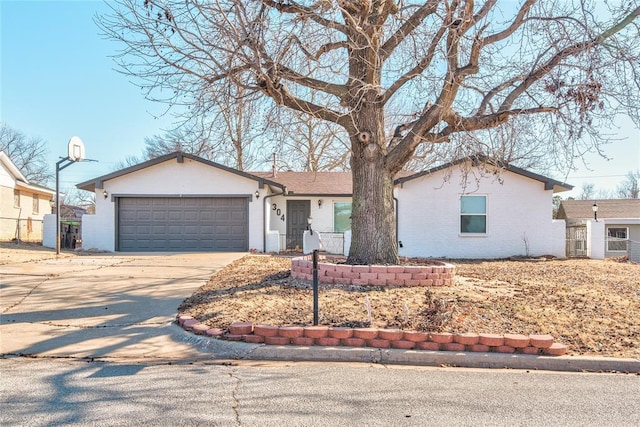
(169, 178)
(519, 216)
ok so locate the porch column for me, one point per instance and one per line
(595, 239)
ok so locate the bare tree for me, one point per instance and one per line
(219, 129)
(307, 143)
(81, 198)
(395, 76)
(629, 188)
(29, 154)
(587, 191)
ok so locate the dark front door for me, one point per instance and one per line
(297, 213)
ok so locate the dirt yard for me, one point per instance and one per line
(593, 306)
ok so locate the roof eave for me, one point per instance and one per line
(549, 184)
(98, 182)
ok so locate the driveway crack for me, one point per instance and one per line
(55, 276)
(234, 396)
(25, 296)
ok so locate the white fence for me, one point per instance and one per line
(331, 243)
(633, 250)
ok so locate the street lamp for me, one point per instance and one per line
(595, 211)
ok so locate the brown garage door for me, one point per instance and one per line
(183, 224)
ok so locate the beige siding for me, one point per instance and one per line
(21, 222)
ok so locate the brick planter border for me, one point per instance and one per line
(427, 273)
(293, 335)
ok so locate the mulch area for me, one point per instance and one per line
(593, 306)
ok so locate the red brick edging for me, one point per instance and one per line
(430, 273)
(379, 338)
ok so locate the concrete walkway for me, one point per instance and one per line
(103, 305)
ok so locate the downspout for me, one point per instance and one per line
(264, 217)
(395, 199)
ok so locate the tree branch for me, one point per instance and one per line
(405, 29)
(294, 8)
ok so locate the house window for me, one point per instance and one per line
(341, 217)
(16, 198)
(473, 214)
(36, 204)
(617, 238)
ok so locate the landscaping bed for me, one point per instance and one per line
(592, 306)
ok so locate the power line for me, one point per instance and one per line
(595, 176)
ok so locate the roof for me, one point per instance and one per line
(549, 183)
(20, 180)
(12, 168)
(607, 209)
(98, 182)
(326, 184)
(313, 183)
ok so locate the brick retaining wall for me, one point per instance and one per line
(430, 273)
(378, 338)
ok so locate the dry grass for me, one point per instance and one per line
(591, 305)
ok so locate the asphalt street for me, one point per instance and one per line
(40, 392)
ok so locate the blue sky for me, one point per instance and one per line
(57, 80)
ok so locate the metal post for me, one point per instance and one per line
(57, 208)
(69, 162)
(315, 287)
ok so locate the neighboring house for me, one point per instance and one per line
(615, 233)
(179, 202)
(22, 204)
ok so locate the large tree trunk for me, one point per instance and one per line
(373, 219)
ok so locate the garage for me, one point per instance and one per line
(182, 224)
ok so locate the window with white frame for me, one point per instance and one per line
(36, 204)
(617, 238)
(473, 214)
(341, 217)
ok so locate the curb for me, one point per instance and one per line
(240, 350)
(446, 359)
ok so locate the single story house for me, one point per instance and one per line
(180, 202)
(22, 204)
(602, 228)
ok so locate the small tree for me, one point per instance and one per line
(395, 76)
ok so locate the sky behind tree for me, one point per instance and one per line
(57, 79)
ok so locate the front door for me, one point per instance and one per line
(297, 213)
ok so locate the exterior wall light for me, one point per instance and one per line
(319, 203)
(595, 211)
(257, 194)
(105, 193)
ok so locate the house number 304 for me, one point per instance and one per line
(275, 207)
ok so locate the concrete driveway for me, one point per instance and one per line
(102, 305)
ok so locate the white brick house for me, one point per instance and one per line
(180, 202)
